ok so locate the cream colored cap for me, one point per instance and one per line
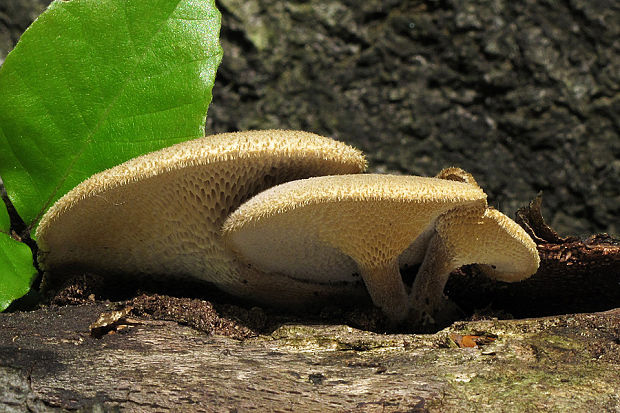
(323, 228)
(499, 245)
(161, 213)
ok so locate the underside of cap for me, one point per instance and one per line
(493, 240)
(516, 255)
(322, 154)
(161, 213)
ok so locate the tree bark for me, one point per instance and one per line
(49, 361)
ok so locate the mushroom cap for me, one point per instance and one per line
(161, 213)
(326, 228)
(501, 248)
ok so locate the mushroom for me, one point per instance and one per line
(500, 247)
(330, 229)
(161, 213)
(334, 229)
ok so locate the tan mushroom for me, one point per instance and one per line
(161, 213)
(503, 250)
(500, 247)
(328, 229)
(332, 229)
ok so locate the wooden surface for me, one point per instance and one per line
(50, 361)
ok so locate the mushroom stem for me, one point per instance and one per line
(386, 288)
(427, 299)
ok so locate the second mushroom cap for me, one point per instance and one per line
(335, 228)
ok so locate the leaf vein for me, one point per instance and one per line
(100, 122)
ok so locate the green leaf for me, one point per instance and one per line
(93, 83)
(16, 270)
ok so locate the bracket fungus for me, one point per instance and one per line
(284, 218)
(332, 228)
(161, 213)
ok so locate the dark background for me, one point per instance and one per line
(523, 94)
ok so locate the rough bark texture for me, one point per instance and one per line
(525, 94)
(49, 362)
